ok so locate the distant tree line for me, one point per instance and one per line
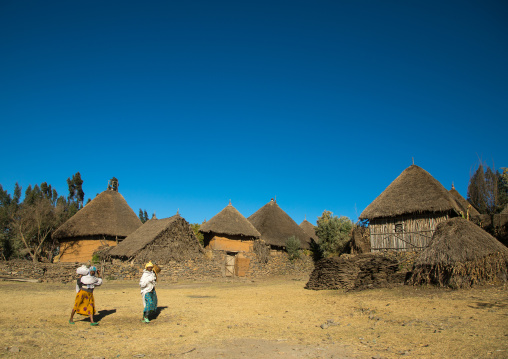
(26, 225)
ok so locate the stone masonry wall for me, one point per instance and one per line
(210, 266)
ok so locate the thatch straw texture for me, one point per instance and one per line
(107, 215)
(309, 229)
(160, 240)
(460, 254)
(413, 191)
(230, 222)
(464, 204)
(276, 226)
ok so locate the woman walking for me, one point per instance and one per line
(84, 303)
(147, 284)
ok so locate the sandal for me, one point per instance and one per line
(94, 323)
(71, 322)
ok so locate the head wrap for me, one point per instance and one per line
(149, 264)
(93, 269)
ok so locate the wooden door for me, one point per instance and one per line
(230, 265)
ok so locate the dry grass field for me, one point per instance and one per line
(275, 318)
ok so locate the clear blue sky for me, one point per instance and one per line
(193, 103)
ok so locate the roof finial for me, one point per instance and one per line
(413, 160)
(154, 216)
(230, 201)
(178, 211)
(453, 187)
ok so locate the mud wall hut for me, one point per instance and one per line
(160, 240)
(105, 221)
(276, 226)
(229, 231)
(405, 215)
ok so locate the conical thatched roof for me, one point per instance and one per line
(108, 214)
(463, 203)
(178, 237)
(309, 229)
(276, 226)
(460, 254)
(413, 191)
(231, 222)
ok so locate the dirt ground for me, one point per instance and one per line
(274, 318)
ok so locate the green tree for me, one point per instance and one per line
(113, 184)
(333, 234)
(293, 246)
(482, 191)
(195, 227)
(143, 216)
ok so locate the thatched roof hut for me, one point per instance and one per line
(464, 205)
(309, 229)
(404, 216)
(106, 220)
(276, 226)
(231, 224)
(160, 240)
(460, 254)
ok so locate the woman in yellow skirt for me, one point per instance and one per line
(84, 303)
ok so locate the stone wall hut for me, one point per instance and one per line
(461, 254)
(276, 226)
(105, 221)
(404, 216)
(159, 240)
(310, 229)
(229, 231)
(465, 207)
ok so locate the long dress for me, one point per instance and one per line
(148, 294)
(84, 303)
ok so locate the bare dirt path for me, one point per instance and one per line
(274, 318)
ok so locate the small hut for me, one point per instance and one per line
(105, 221)
(461, 254)
(404, 216)
(229, 231)
(309, 229)
(159, 240)
(276, 227)
(467, 209)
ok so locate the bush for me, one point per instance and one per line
(334, 234)
(293, 246)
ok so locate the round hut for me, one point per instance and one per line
(229, 231)
(461, 254)
(467, 209)
(276, 226)
(160, 240)
(404, 216)
(105, 221)
(310, 229)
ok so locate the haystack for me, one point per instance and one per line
(461, 254)
(276, 226)
(360, 240)
(159, 240)
(309, 229)
(465, 207)
(230, 231)
(404, 216)
(105, 221)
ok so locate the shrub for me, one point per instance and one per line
(293, 246)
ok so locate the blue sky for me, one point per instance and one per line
(192, 103)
